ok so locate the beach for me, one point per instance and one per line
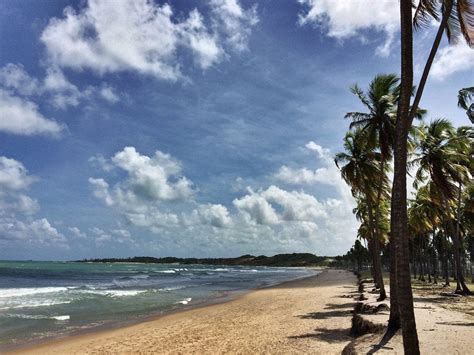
(309, 315)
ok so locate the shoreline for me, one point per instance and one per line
(227, 307)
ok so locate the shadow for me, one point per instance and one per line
(328, 335)
(339, 306)
(325, 315)
(432, 299)
(462, 324)
(381, 345)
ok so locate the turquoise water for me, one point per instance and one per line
(45, 299)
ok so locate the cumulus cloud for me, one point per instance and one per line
(17, 223)
(154, 194)
(326, 174)
(150, 182)
(453, 59)
(155, 178)
(214, 215)
(77, 233)
(350, 19)
(261, 207)
(143, 37)
(21, 116)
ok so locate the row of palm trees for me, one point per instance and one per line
(440, 158)
(456, 21)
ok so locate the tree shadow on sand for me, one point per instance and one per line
(462, 324)
(325, 315)
(328, 335)
(348, 305)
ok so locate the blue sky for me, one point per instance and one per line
(190, 128)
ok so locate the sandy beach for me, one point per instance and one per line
(302, 316)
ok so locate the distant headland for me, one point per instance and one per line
(284, 260)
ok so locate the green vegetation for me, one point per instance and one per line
(283, 260)
(440, 215)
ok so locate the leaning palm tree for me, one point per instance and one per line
(456, 18)
(361, 168)
(442, 158)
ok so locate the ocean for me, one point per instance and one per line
(50, 299)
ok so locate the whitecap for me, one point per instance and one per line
(18, 292)
(185, 301)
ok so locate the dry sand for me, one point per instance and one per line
(445, 325)
(303, 316)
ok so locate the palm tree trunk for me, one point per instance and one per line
(399, 218)
(394, 319)
(430, 60)
(376, 252)
(461, 286)
(383, 294)
(446, 271)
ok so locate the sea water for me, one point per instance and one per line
(48, 299)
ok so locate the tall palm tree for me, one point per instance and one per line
(361, 168)
(443, 157)
(399, 219)
(379, 125)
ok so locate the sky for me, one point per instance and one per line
(191, 128)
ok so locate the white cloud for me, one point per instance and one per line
(261, 207)
(142, 36)
(20, 116)
(13, 175)
(17, 223)
(350, 19)
(327, 174)
(257, 209)
(272, 219)
(108, 94)
(76, 232)
(453, 59)
(15, 77)
(235, 22)
(155, 178)
(214, 215)
(150, 182)
(63, 93)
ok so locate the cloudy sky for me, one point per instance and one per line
(190, 128)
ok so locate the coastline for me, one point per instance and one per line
(279, 317)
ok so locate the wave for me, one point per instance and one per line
(166, 271)
(185, 301)
(113, 293)
(167, 289)
(33, 304)
(27, 291)
(29, 316)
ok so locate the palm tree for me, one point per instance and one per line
(399, 219)
(379, 125)
(443, 157)
(362, 167)
(456, 19)
(465, 96)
